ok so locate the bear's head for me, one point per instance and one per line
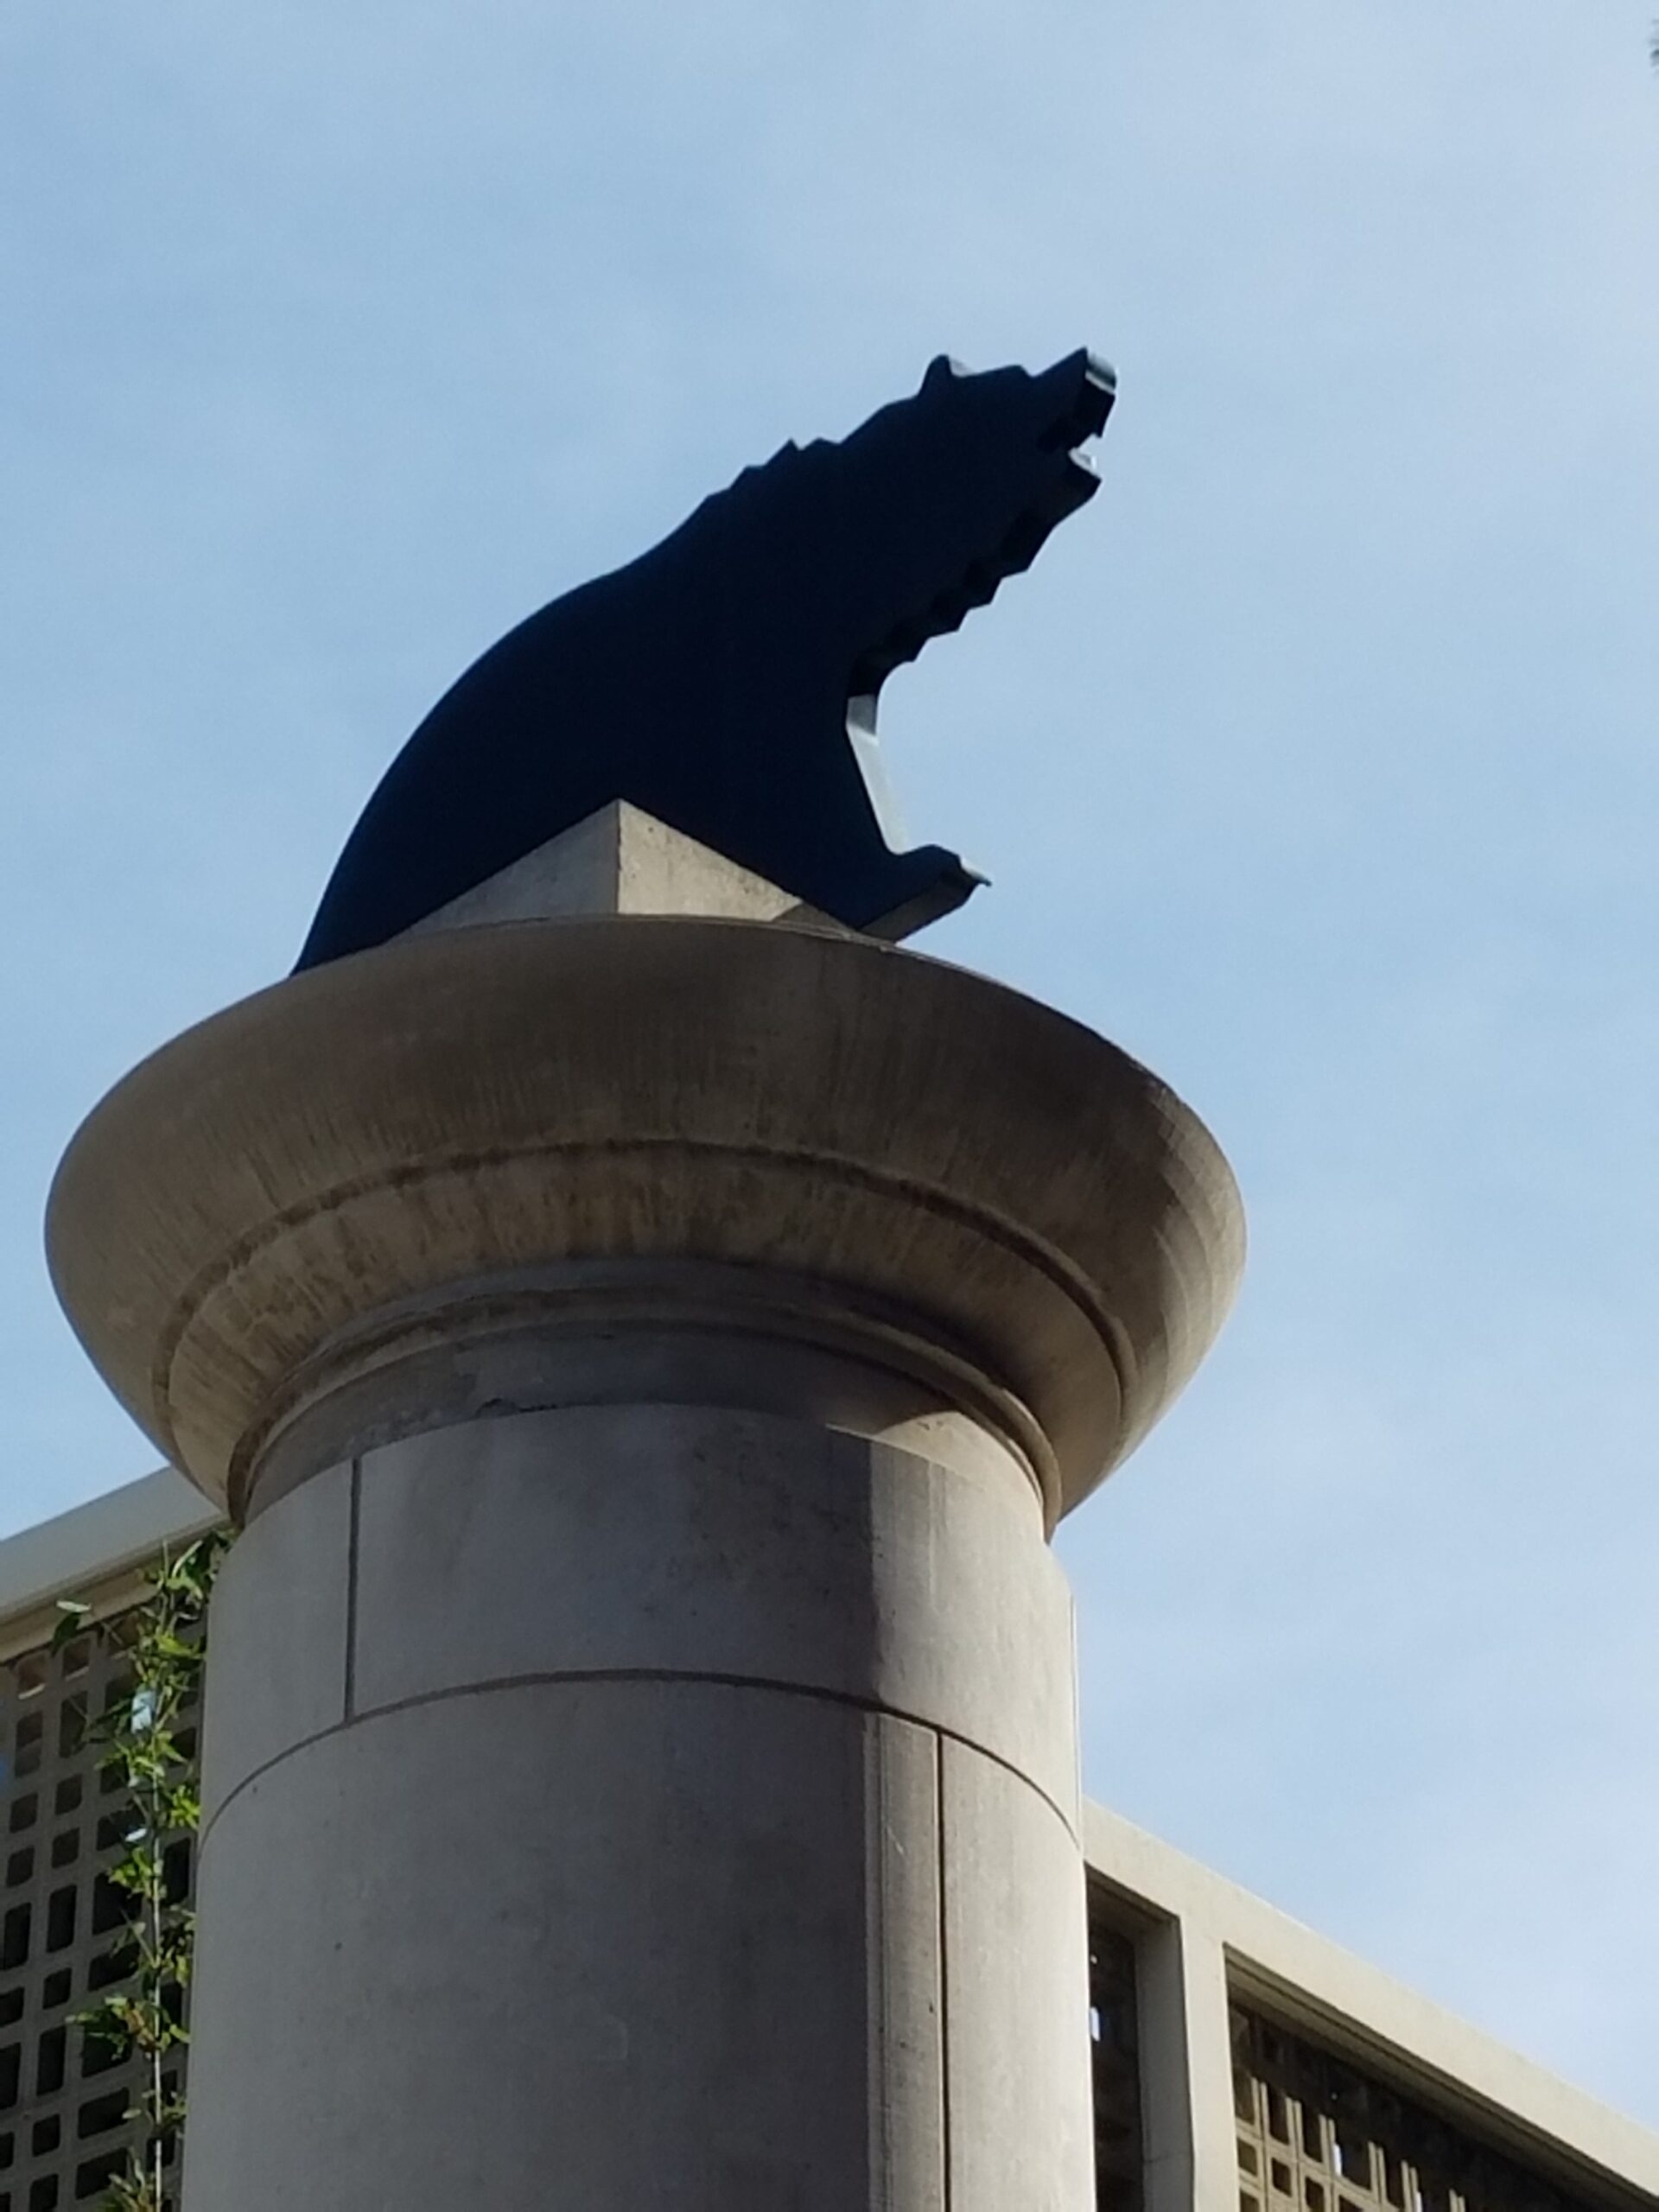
(967, 480)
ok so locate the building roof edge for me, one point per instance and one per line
(1343, 2001)
(78, 1552)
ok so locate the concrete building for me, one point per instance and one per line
(1238, 2060)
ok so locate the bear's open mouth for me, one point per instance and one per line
(1086, 405)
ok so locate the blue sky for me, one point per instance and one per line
(1313, 763)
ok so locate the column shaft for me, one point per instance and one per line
(643, 1806)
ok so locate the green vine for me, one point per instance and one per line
(161, 1640)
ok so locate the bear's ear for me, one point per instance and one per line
(941, 371)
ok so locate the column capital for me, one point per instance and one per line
(473, 1103)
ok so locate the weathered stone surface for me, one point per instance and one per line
(476, 1102)
(1016, 1984)
(281, 1623)
(667, 1540)
(648, 1354)
(607, 1947)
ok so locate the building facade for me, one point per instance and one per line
(1239, 2059)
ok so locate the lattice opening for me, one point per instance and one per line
(95, 2175)
(1115, 2049)
(101, 2115)
(60, 1918)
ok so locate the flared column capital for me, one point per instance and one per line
(939, 1158)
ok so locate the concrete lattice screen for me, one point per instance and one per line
(64, 2128)
(1316, 2134)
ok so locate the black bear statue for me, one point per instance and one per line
(726, 681)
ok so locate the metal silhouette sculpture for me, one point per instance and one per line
(727, 680)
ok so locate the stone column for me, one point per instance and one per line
(647, 1355)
